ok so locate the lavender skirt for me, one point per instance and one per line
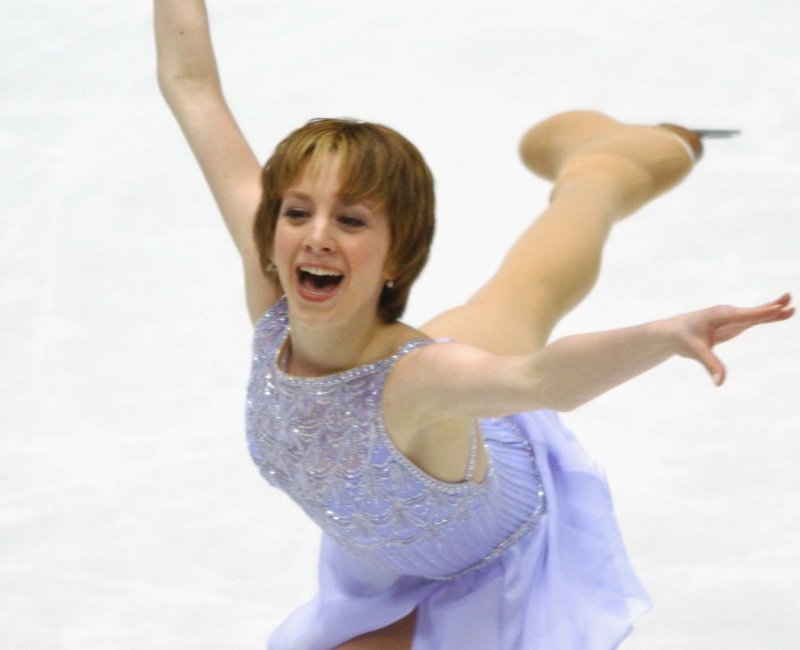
(566, 585)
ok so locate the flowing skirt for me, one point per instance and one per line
(566, 585)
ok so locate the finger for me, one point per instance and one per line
(717, 370)
(780, 306)
(712, 363)
(724, 329)
(777, 311)
(786, 312)
(730, 322)
(785, 299)
(772, 311)
(774, 305)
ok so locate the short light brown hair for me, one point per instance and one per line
(376, 163)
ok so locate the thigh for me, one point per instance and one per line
(397, 636)
(492, 324)
(549, 269)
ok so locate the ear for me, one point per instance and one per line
(389, 274)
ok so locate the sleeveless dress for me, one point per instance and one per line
(529, 558)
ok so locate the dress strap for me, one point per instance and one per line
(408, 346)
(473, 453)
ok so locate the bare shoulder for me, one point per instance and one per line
(438, 443)
(453, 380)
(442, 363)
(419, 378)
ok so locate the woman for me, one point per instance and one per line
(457, 511)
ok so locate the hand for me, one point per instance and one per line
(698, 332)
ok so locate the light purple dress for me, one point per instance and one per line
(530, 558)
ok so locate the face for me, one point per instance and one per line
(330, 253)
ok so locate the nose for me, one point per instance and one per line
(319, 237)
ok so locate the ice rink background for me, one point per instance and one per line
(131, 515)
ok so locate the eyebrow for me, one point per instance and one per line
(296, 195)
(370, 204)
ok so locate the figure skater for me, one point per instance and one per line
(457, 512)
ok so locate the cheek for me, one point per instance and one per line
(382, 246)
(375, 256)
(281, 242)
(388, 264)
(281, 253)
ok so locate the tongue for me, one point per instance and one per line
(320, 284)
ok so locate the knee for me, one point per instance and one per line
(546, 144)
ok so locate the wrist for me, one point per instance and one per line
(663, 336)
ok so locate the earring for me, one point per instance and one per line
(389, 284)
(271, 268)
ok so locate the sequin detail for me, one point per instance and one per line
(323, 442)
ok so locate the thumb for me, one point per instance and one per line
(715, 367)
(711, 362)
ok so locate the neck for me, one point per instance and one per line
(312, 351)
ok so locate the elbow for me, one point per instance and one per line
(164, 83)
(179, 89)
(565, 405)
(171, 80)
(568, 407)
(168, 81)
(562, 402)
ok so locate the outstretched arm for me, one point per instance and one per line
(189, 81)
(449, 380)
(586, 366)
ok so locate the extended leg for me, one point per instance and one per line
(602, 171)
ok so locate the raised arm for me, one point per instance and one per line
(190, 83)
(447, 380)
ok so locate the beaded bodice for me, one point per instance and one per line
(323, 442)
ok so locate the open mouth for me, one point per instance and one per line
(318, 281)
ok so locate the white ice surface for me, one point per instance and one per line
(131, 515)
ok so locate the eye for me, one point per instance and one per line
(295, 214)
(350, 221)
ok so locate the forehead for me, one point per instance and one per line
(322, 171)
(332, 172)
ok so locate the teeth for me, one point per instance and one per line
(316, 270)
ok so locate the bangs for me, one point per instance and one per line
(365, 168)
